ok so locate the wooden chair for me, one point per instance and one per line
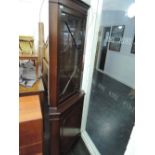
(26, 44)
(26, 50)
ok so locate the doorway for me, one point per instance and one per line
(109, 110)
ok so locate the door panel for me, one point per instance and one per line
(111, 112)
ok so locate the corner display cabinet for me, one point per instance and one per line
(67, 24)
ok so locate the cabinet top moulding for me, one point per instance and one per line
(73, 4)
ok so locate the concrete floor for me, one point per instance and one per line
(111, 114)
(79, 149)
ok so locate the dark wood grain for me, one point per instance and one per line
(77, 5)
(64, 112)
(70, 125)
(34, 149)
(53, 54)
(56, 58)
(55, 137)
(65, 123)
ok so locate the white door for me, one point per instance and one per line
(108, 115)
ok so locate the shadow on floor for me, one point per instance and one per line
(79, 149)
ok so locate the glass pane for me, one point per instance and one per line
(71, 54)
(111, 113)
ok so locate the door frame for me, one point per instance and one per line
(92, 31)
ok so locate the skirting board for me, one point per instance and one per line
(89, 144)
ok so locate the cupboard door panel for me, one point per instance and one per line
(70, 125)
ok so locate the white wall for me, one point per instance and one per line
(30, 15)
(87, 1)
(121, 65)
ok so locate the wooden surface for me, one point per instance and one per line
(57, 81)
(35, 89)
(65, 123)
(53, 53)
(23, 56)
(30, 126)
(70, 124)
(29, 108)
(77, 5)
(63, 114)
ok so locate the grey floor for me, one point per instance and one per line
(79, 149)
(111, 114)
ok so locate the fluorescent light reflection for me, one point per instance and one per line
(131, 11)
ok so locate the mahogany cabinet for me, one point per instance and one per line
(67, 24)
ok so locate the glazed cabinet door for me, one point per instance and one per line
(70, 56)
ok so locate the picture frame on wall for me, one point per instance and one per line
(116, 37)
(133, 46)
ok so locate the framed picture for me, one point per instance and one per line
(116, 37)
(133, 46)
